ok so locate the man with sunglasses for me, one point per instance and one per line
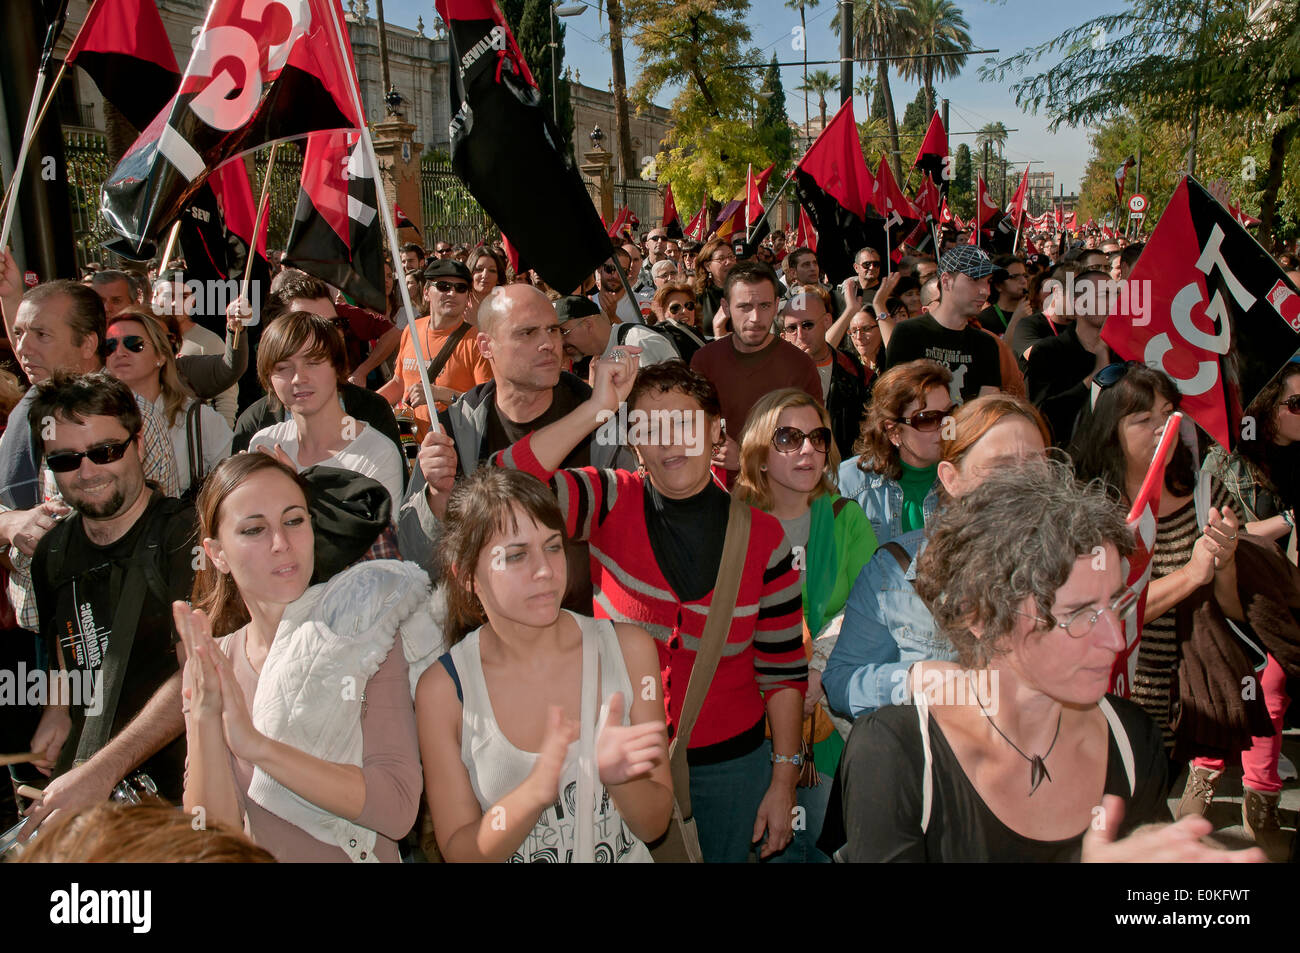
(448, 344)
(105, 580)
(611, 296)
(805, 319)
(587, 333)
(1062, 368)
(656, 250)
(945, 332)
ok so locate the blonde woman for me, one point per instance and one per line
(788, 463)
(138, 352)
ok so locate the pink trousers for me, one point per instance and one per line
(1259, 761)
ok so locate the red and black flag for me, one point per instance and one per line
(834, 186)
(506, 149)
(902, 218)
(933, 160)
(401, 219)
(260, 72)
(1207, 305)
(337, 235)
(123, 47)
(672, 223)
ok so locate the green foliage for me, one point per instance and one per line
(711, 138)
(878, 102)
(961, 190)
(820, 82)
(772, 123)
(934, 27)
(915, 117)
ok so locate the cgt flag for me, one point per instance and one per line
(1142, 521)
(123, 47)
(506, 149)
(261, 71)
(834, 187)
(1217, 314)
(336, 234)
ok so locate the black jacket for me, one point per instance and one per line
(846, 402)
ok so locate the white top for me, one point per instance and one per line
(215, 432)
(655, 347)
(370, 454)
(199, 340)
(496, 767)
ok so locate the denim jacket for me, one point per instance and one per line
(886, 628)
(881, 499)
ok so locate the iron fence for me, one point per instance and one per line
(286, 178)
(451, 213)
(643, 199)
(88, 166)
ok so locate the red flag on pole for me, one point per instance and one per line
(670, 209)
(753, 197)
(1142, 520)
(696, 227)
(124, 48)
(932, 159)
(1019, 201)
(806, 236)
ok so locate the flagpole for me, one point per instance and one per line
(771, 205)
(257, 231)
(167, 249)
(1016, 241)
(40, 117)
(390, 227)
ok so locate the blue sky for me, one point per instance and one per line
(1007, 26)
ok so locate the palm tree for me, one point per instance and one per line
(937, 26)
(877, 27)
(803, 28)
(821, 82)
(864, 87)
(992, 134)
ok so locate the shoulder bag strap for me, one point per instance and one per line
(716, 628)
(927, 772)
(900, 555)
(444, 355)
(584, 818)
(194, 437)
(1121, 742)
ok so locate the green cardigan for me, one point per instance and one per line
(840, 542)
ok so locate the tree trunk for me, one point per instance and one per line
(119, 134)
(929, 92)
(821, 105)
(622, 133)
(807, 115)
(1277, 149)
(882, 77)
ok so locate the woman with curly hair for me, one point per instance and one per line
(712, 265)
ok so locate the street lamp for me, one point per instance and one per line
(571, 10)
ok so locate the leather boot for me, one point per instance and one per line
(1198, 793)
(1259, 818)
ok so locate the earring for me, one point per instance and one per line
(762, 467)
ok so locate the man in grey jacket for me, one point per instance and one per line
(519, 334)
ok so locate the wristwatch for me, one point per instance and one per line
(795, 759)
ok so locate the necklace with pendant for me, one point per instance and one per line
(1037, 767)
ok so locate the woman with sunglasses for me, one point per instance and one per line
(885, 628)
(712, 265)
(893, 475)
(487, 270)
(138, 352)
(1190, 563)
(1016, 753)
(675, 310)
(299, 720)
(863, 341)
(788, 462)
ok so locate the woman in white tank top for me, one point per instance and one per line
(542, 732)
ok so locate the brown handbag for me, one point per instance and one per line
(680, 844)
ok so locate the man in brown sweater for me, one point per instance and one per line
(751, 361)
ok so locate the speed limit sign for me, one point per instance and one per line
(1137, 204)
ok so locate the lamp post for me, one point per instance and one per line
(572, 10)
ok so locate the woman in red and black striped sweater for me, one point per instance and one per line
(656, 546)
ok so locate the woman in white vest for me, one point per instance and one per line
(300, 723)
(522, 762)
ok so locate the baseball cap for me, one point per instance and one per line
(967, 260)
(572, 307)
(447, 268)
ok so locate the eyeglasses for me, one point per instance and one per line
(1108, 376)
(679, 308)
(449, 286)
(70, 460)
(869, 264)
(564, 332)
(442, 251)
(1292, 404)
(790, 439)
(863, 332)
(133, 343)
(656, 238)
(927, 421)
(794, 328)
(1080, 623)
(722, 257)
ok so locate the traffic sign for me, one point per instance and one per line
(1137, 203)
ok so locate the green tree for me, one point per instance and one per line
(710, 139)
(821, 82)
(878, 102)
(935, 27)
(772, 123)
(534, 37)
(878, 26)
(915, 117)
(1184, 63)
(961, 196)
(990, 135)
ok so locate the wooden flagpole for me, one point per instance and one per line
(257, 230)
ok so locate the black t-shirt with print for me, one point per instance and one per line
(77, 593)
(502, 433)
(970, 354)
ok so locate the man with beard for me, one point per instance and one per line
(519, 335)
(105, 579)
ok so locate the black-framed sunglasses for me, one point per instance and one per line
(69, 460)
(1292, 404)
(442, 251)
(1081, 622)
(927, 421)
(678, 308)
(793, 328)
(448, 286)
(871, 264)
(1108, 376)
(790, 439)
(132, 342)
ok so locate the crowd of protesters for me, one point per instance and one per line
(717, 557)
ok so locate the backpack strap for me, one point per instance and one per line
(837, 507)
(194, 441)
(1121, 741)
(900, 555)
